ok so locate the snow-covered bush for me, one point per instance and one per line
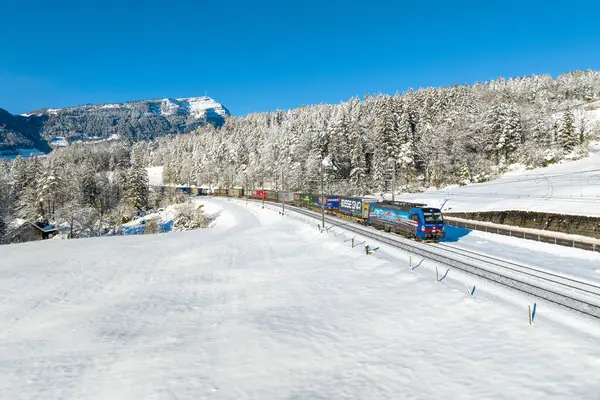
(152, 227)
(191, 217)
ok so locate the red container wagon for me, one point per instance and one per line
(259, 194)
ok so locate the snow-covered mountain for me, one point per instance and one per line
(137, 120)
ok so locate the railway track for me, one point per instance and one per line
(573, 294)
(587, 288)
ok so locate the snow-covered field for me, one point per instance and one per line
(567, 188)
(264, 307)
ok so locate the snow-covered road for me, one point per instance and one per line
(264, 307)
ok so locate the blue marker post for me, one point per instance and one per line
(532, 313)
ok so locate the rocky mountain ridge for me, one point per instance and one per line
(136, 120)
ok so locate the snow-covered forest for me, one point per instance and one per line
(428, 138)
(90, 189)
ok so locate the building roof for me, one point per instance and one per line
(46, 228)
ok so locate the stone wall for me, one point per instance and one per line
(573, 224)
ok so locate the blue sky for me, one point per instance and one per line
(264, 55)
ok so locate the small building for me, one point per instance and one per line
(29, 232)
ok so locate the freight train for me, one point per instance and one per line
(411, 220)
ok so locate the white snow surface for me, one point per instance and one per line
(566, 188)
(265, 307)
(155, 176)
(566, 261)
(197, 106)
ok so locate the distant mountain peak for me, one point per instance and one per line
(136, 120)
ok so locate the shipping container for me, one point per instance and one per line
(351, 206)
(236, 192)
(366, 205)
(271, 195)
(221, 192)
(316, 200)
(195, 191)
(285, 196)
(259, 194)
(333, 202)
(297, 198)
(306, 199)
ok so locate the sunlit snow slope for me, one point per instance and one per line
(567, 188)
(264, 307)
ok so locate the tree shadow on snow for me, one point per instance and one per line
(454, 233)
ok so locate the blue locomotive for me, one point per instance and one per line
(415, 221)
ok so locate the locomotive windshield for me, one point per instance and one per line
(432, 216)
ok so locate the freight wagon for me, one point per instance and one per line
(221, 192)
(354, 208)
(332, 202)
(306, 199)
(271, 195)
(259, 194)
(236, 192)
(288, 197)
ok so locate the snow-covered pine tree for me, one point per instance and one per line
(88, 188)
(565, 135)
(30, 206)
(136, 189)
(358, 174)
(385, 145)
(50, 189)
(541, 132)
(503, 124)
(5, 199)
(338, 149)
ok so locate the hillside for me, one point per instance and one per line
(568, 187)
(414, 141)
(137, 120)
(18, 131)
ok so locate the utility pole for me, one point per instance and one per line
(322, 198)
(283, 190)
(393, 179)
